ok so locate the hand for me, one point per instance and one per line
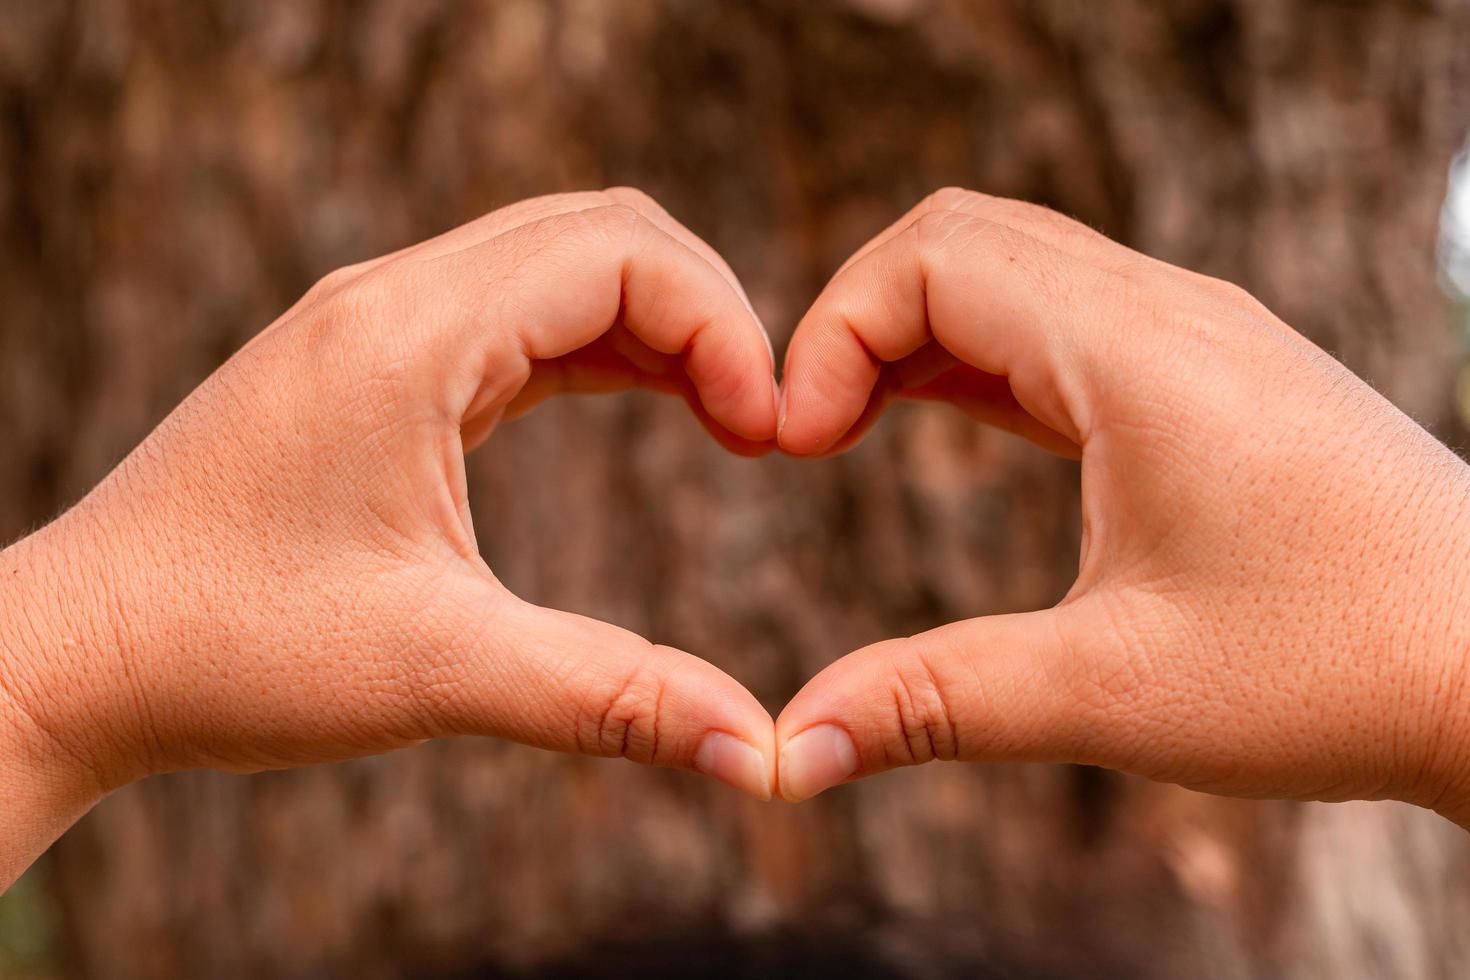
(1272, 592)
(286, 572)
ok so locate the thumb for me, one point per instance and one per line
(996, 688)
(560, 681)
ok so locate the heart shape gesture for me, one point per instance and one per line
(1270, 598)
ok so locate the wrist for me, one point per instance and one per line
(1442, 653)
(67, 709)
(47, 776)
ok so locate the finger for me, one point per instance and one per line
(550, 380)
(1042, 223)
(503, 220)
(487, 226)
(615, 361)
(555, 285)
(601, 372)
(987, 398)
(598, 372)
(648, 207)
(999, 300)
(462, 236)
(564, 682)
(899, 379)
(531, 210)
(989, 689)
(592, 370)
(933, 374)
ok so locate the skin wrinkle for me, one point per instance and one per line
(151, 743)
(658, 707)
(909, 757)
(20, 712)
(104, 628)
(611, 712)
(420, 674)
(946, 747)
(25, 714)
(914, 720)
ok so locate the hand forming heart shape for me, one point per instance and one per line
(306, 586)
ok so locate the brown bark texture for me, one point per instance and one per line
(173, 173)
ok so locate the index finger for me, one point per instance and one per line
(997, 298)
(552, 286)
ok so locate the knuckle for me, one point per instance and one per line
(617, 216)
(934, 229)
(610, 224)
(1235, 296)
(949, 198)
(339, 278)
(379, 286)
(359, 343)
(352, 302)
(924, 728)
(634, 197)
(943, 236)
(501, 221)
(551, 203)
(1022, 216)
(622, 718)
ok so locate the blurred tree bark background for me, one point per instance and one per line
(174, 174)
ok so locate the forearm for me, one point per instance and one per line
(56, 703)
(43, 794)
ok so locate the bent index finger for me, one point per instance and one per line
(1042, 223)
(559, 283)
(996, 298)
(655, 212)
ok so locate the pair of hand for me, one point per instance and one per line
(1271, 593)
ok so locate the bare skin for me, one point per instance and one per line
(1271, 598)
(1272, 595)
(286, 573)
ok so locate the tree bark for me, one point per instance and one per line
(175, 173)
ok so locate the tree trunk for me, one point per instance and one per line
(175, 173)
